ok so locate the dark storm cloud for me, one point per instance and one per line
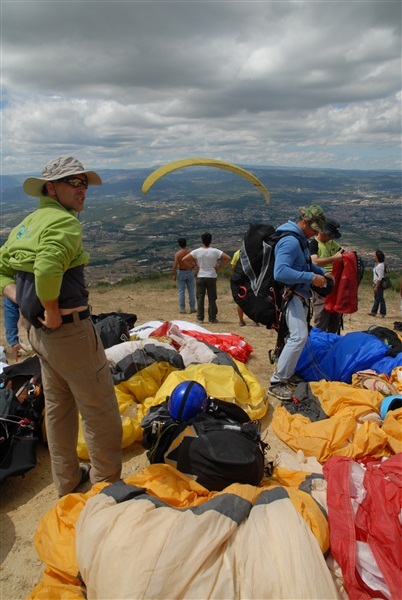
(99, 74)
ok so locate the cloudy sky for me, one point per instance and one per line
(124, 84)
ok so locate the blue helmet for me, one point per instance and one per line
(187, 400)
(390, 403)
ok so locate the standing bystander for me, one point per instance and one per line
(46, 256)
(207, 260)
(378, 276)
(184, 274)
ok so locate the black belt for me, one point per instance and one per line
(83, 314)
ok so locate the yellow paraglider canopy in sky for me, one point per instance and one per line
(206, 162)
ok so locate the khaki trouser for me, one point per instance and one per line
(76, 378)
(324, 320)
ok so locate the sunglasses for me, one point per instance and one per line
(74, 182)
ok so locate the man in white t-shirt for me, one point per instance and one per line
(207, 260)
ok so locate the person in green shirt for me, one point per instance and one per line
(42, 270)
(324, 253)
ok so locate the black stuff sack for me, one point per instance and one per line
(130, 318)
(216, 448)
(113, 329)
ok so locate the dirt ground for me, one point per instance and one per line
(24, 500)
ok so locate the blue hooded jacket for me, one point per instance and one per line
(293, 265)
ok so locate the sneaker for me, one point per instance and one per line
(199, 320)
(213, 321)
(193, 310)
(381, 316)
(281, 391)
(242, 324)
(182, 312)
(371, 314)
(256, 324)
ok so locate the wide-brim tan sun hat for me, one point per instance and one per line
(64, 166)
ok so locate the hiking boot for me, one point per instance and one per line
(281, 391)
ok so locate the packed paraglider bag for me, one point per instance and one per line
(252, 283)
(217, 447)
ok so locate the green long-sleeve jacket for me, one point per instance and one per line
(46, 243)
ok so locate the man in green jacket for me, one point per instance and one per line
(42, 269)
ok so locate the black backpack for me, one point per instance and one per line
(21, 415)
(114, 328)
(216, 448)
(253, 285)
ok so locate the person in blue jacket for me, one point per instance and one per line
(11, 318)
(293, 267)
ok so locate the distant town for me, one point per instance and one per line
(129, 234)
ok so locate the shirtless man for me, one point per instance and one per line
(184, 274)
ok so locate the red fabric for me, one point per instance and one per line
(377, 519)
(231, 343)
(376, 522)
(343, 299)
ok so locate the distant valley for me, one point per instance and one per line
(129, 234)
